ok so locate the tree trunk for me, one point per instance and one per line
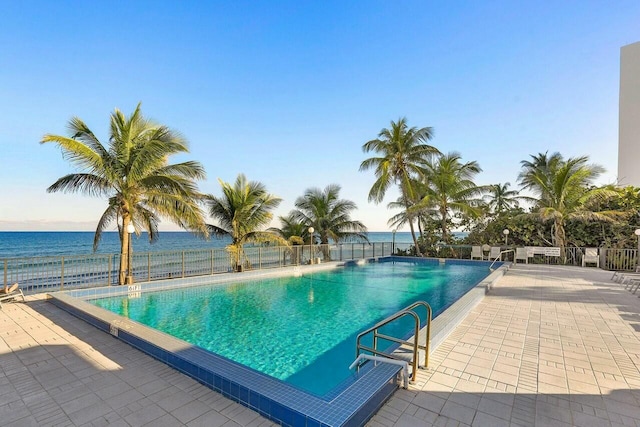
(561, 240)
(410, 220)
(413, 235)
(124, 251)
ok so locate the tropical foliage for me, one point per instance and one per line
(563, 191)
(500, 199)
(402, 153)
(448, 189)
(134, 174)
(329, 215)
(242, 211)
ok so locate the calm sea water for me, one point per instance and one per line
(18, 244)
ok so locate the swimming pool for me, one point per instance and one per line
(300, 330)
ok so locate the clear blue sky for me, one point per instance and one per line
(287, 92)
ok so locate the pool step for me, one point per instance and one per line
(405, 352)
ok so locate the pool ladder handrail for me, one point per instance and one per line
(415, 344)
(499, 257)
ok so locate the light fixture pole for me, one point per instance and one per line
(393, 242)
(506, 236)
(130, 230)
(311, 230)
(637, 233)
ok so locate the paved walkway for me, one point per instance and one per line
(56, 370)
(549, 346)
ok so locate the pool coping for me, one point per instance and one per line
(272, 398)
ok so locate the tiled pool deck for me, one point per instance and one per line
(547, 346)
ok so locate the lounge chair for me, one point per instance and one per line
(591, 257)
(495, 253)
(522, 255)
(9, 293)
(476, 252)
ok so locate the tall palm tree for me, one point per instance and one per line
(329, 215)
(402, 154)
(134, 174)
(242, 210)
(449, 189)
(563, 190)
(501, 199)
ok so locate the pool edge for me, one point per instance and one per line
(364, 399)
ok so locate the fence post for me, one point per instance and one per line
(109, 270)
(148, 266)
(259, 258)
(182, 264)
(5, 272)
(212, 261)
(62, 273)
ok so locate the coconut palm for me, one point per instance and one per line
(242, 210)
(295, 233)
(500, 199)
(449, 189)
(329, 216)
(403, 153)
(563, 190)
(134, 174)
(292, 230)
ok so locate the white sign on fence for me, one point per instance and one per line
(539, 250)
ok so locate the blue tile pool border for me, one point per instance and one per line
(272, 398)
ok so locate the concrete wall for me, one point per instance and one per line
(629, 116)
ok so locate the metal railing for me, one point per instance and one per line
(414, 345)
(47, 274)
(43, 274)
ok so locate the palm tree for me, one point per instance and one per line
(295, 233)
(563, 190)
(329, 216)
(449, 189)
(403, 153)
(501, 199)
(134, 174)
(292, 230)
(242, 210)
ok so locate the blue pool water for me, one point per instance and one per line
(301, 329)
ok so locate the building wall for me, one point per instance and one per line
(629, 116)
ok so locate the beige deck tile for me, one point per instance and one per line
(547, 346)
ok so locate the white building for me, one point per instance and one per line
(629, 116)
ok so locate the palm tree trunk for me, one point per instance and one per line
(124, 251)
(410, 220)
(413, 235)
(561, 240)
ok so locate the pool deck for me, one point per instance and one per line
(548, 346)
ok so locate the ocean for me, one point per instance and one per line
(22, 244)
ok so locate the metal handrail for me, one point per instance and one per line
(407, 311)
(401, 363)
(53, 273)
(500, 257)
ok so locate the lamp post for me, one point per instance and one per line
(393, 241)
(506, 236)
(637, 233)
(311, 230)
(130, 229)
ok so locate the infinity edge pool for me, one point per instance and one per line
(272, 398)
